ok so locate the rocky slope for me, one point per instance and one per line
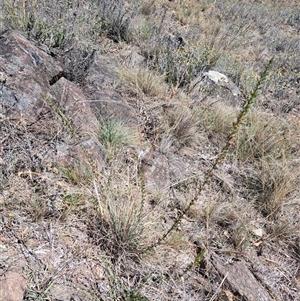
(95, 173)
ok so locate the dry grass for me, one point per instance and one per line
(95, 224)
(77, 174)
(117, 223)
(182, 124)
(114, 135)
(273, 180)
(216, 118)
(266, 136)
(143, 82)
(190, 13)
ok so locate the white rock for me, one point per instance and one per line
(222, 80)
(217, 77)
(258, 232)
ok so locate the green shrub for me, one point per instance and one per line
(182, 63)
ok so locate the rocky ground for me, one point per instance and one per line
(124, 173)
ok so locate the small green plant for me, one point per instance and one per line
(72, 201)
(78, 173)
(114, 134)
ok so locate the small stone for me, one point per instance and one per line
(3, 77)
(258, 232)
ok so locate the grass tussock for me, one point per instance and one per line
(264, 136)
(117, 223)
(272, 182)
(182, 125)
(78, 173)
(238, 196)
(143, 82)
(115, 136)
(217, 118)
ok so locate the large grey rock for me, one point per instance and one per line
(28, 71)
(46, 111)
(102, 78)
(132, 57)
(75, 105)
(178, 169)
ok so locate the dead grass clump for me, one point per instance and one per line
(189, 13)
(217, 118)
(182, 125)
(264, 135)
(141, 29)
(271, 182)
(282, 230)
(228, 223)
(223, 214)
(117, 222)
(117, 229)
(143, 82)
(146, 7)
